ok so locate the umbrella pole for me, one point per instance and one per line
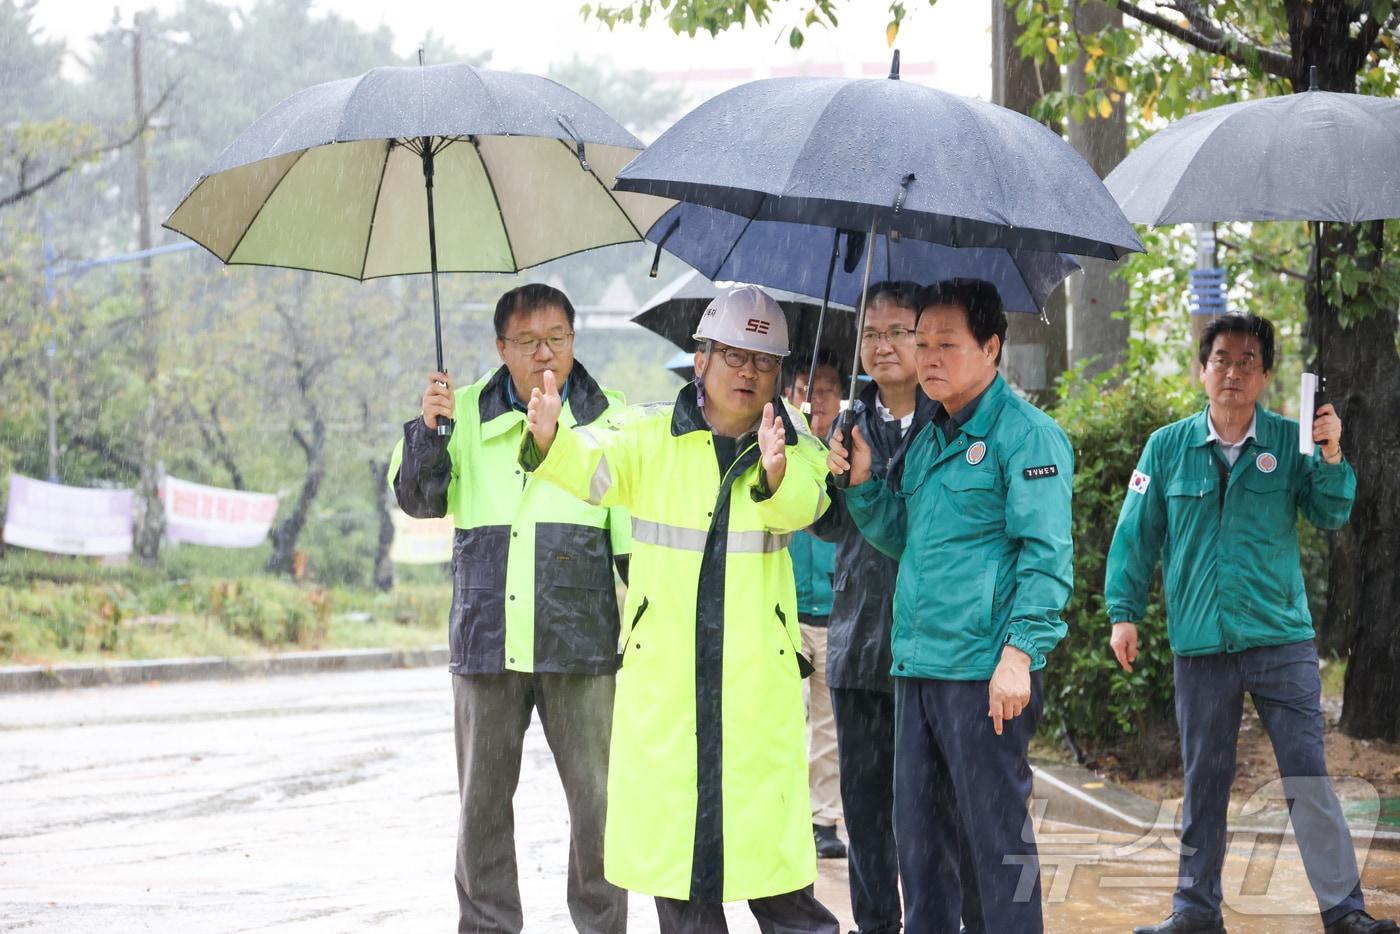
(848, 416)
(444, 425)
(1318, 302)
(821, 320)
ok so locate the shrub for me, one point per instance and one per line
(1108, 716)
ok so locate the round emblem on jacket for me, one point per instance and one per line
(976, 453)
(1266, 462)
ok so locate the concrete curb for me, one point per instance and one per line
(1076, 796)
(53, 677)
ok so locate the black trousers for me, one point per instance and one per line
(965, 843)
(865, 750)
(794, 913)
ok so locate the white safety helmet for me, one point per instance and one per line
(747, 318)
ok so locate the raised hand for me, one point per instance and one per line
(857, 462)
(772, 445)
(542, 415)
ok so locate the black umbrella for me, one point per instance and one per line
(891, 161)
(1318, 156)
(674, 312)
(341, 178)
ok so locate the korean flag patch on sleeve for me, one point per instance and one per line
(1139, 482)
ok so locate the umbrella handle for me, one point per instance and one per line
(844, 423)
(444, 424)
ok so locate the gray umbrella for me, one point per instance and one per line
(342, 178)
(1314, 156)
(852, 152)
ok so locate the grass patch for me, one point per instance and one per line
(70, 610)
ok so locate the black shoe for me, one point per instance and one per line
(1359, 922)
(829, 846)
(1183, 924)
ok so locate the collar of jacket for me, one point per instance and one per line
(585, 399)
(1200, 426)
(988, 408)
(923, 406)
(686, 415)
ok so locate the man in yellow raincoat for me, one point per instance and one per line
(707, 788)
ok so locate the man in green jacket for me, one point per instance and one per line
(534, 620)
(1217, 497)
(979, 521)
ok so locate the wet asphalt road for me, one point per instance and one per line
(327, 803)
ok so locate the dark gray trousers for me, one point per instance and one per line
(865, 744)
(1287, 692)
(793, 913)
(492, 713)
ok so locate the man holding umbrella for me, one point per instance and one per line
(980, 524)
(707, 794)
(534, 619)
(1218, 496)
(890, 412)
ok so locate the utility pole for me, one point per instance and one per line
(1036, 348)
(150, 518)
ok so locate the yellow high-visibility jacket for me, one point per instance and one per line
(532, 568)
(707, 783)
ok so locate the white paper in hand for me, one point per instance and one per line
(1306, 400)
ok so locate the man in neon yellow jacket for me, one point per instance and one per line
(534, 623)
(707, 792)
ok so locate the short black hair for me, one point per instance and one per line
(1236, 323)
(527, 298)
(980, 302)
(898, 292)
(803, 365)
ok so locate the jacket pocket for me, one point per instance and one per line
(804, 665)
(576, 615)
(631, 640)
(973, 495)
(477, 621)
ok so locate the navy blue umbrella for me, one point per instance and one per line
(729, 247)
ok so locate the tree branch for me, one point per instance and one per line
(1369, 36)
(1198, 18)
(1260, 261)
(25, 189)
(104, 450)
(1244, 54)
(217, 441)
